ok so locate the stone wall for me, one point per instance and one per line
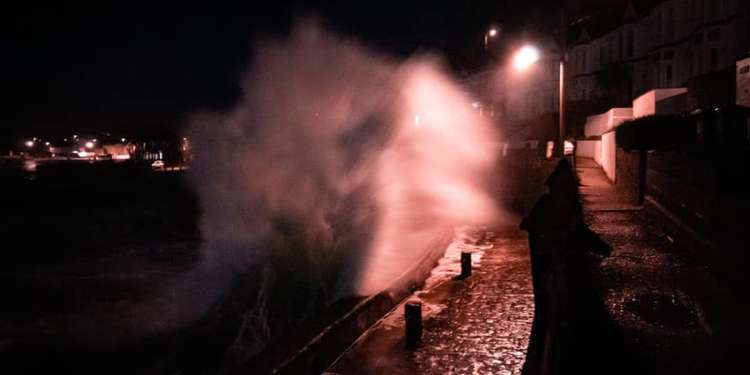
(521, 176)
(631, 174)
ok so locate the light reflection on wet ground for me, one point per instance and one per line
(481, 326)
(675, 316)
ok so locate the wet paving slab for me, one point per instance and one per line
(479, 325)
(675, 316)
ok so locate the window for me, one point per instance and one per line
(697, 11)
(714, 58)
(699, 62)
(629, 44)
(668, 75)
(585, 61)
(714, 35)
(659, 26)
(714, 8)
(670, 24)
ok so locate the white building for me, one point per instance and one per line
(654, 44)
(743, 82)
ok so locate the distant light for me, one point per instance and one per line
(89, 144)
(475, 104)
(493, 32)
(29, 143)
(46, 143)
(569, 148)
(65, 139)
(525, 57)
(122, 140)
(94, 140)
(550, 149)
(75, 136)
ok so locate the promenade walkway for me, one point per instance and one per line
(674, 317)
(479, 325)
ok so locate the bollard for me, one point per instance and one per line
(465, 264)
(413, 315)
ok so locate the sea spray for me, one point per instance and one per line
(329, 178)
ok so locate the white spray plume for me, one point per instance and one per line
(353, 155)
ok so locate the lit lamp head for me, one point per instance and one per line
(525, 57)
(89, 145)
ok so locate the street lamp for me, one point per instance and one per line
(525, 57)
(528, 55)
(491, 33)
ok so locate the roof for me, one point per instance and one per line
(594, 22)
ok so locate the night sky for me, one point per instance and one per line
(135, 65)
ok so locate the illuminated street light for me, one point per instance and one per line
(525, 57)
(29, 144)
(491, 33)
(89, 144)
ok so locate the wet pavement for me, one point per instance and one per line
(479, 325)
(673, 315)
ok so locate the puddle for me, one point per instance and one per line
(661, 310)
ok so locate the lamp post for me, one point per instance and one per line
(491, 33)
(527, 56)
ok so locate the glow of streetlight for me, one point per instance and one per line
(493, 32)
(525, 57)
(89, 144)
(29, 144)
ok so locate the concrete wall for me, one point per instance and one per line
(646, 104)
(599, 124)
(604, 151)
(586, 149)
(608, 155)
(631, 174)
